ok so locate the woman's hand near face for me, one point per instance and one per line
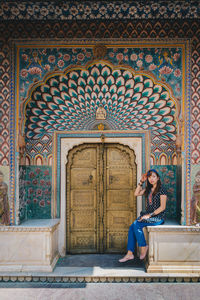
(144, 177)
(140, 190)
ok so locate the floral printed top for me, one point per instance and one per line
(154, 202)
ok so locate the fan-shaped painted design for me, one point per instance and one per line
(69, 102)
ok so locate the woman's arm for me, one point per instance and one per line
(139, 190)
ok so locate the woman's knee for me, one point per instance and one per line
(131, 227)
(137, 225)
(134, 224)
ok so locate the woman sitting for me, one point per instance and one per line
(155, 211)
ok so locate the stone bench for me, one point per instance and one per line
(173, 248)
(31, 246)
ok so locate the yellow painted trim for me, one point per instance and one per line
(113, 44)
(166, 158)
(40, 156)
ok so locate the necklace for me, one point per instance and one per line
(150, 197)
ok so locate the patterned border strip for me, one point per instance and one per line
(74, 10)
(4, 101)
(28, 229)
(188, 139)
(12, 138)
(100, 279)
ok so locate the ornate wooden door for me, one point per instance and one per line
(100, 200)
(120, 203)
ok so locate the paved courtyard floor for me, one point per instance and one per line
(98, 277)
(100, 291)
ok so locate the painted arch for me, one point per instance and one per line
(69, 100)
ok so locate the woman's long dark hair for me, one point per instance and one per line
(149, 185)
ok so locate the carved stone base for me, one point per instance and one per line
(29, 266)
(173, 269)
(29, 247)
(173, 249)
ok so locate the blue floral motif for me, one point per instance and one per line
(164, 63)
(168, 176)
(74, 10)
(35, 192)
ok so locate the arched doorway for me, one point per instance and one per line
(101, 204)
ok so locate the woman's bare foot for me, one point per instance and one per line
(143, 252)
(126, 258)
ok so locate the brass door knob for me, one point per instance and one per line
(90, 178)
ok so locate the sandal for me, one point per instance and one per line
(126, 258)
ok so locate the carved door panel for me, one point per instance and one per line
(120, 204)
(100, 201)
(82, 219)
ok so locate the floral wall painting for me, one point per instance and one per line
(35, 192)
(168, 176)
(164, 63)
(4, 200)
(195, 200)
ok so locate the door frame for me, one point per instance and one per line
(63, 142)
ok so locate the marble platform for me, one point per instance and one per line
(97, 269)
(31, 246)
(173, 249)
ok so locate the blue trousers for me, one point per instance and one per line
(136, 234)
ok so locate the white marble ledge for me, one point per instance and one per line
(174, 228)
(35, 225)
(96, 271)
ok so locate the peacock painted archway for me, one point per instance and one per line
(69, 100)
